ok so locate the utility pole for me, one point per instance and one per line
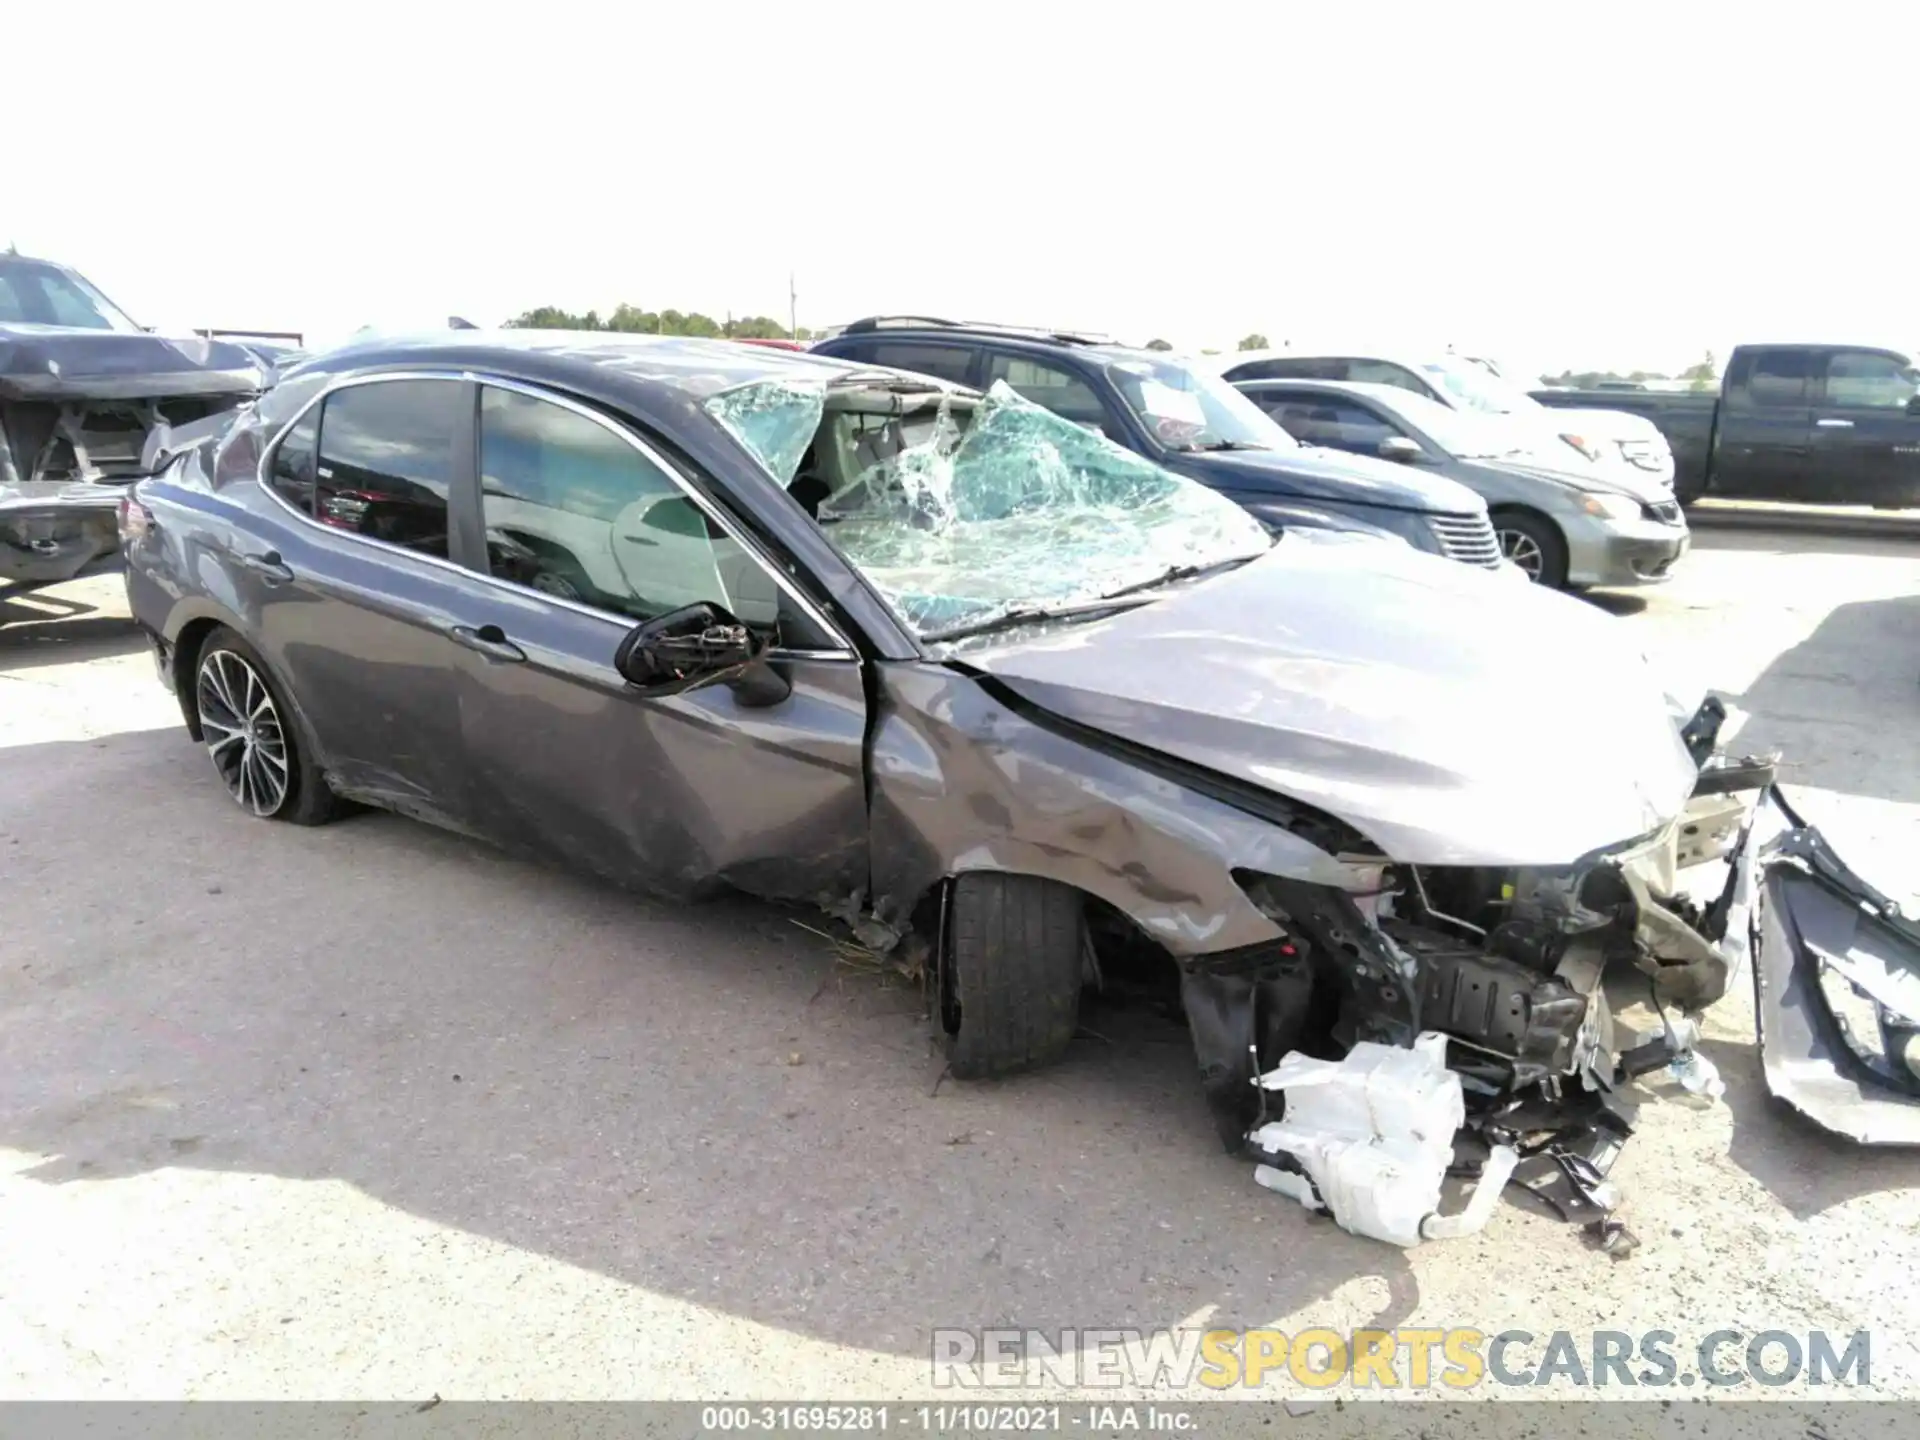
(793, 309)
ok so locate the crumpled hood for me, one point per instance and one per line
(48, 362)
(1328, 475)
(1449, 716)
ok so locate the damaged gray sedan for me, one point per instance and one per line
(690, 615)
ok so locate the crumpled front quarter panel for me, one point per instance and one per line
(960, 782)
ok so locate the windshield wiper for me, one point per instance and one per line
(1127, 597)
(1180, 572)
(1033, 614)
(1229, 445)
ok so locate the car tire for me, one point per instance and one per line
(1009, 973)
(1535, 544)
(253, 735)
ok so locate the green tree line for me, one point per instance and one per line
(1704, 374)
(635, 321)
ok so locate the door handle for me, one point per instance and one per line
(490, 640)
(269, 566)
(1831, 424)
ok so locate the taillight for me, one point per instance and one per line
(135, 520)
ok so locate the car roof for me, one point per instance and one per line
(1036, 341)
(1367, 388)
(1415, 360)
(1403, 403)
(646, 368)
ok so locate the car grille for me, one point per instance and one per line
(1466, 538)
(1667, 512)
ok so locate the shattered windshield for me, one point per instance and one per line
(961, 510)
(1186, 410)
(33, 292)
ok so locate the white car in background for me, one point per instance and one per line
(1626, 446)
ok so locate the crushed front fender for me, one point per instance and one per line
(1836, 969)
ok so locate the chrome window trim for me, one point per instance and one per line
(843, 651)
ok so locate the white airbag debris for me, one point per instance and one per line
(1369, 1138)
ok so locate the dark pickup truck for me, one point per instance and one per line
(1826, 424)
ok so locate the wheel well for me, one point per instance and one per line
(1515, 508)
(1122, 949)
(186, 656)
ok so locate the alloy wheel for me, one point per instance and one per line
(1523, 550)
(243, 732)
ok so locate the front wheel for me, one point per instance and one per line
(251, 735)
(1010, 973)
(1534, 544)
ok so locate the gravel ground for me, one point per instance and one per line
(370, 1111)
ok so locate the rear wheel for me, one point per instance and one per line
(253, 738)
(1533, 543)
(1010, 973)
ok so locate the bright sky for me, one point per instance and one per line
(1591, 185)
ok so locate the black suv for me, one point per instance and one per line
(1195, 424)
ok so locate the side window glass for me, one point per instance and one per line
(1281, 369)
(386, 454)
(1778, 377)
(1361, 430)
(1323, 420)
(1385, 372)
(1065, 394)
(572, 509)
(1858, 378)
(292, 472)
(943, 362)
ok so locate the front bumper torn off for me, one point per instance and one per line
(1836, 970)
(1514, 1019)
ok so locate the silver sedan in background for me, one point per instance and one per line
(1564, 529)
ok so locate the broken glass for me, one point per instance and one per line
(775, 419)
(1000, 505)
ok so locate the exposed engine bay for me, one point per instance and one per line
(1498, 972)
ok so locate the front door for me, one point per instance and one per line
(587, 534)
(1764, 445)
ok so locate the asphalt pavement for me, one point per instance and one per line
(371, 1111)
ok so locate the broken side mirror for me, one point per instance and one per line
(1401, 449)
(699, 645)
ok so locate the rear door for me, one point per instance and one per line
(1764, 444)
(589, 531)
(353, 601)
(1866, 443)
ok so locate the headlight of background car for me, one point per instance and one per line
(1610, 507)
(1580, 442)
